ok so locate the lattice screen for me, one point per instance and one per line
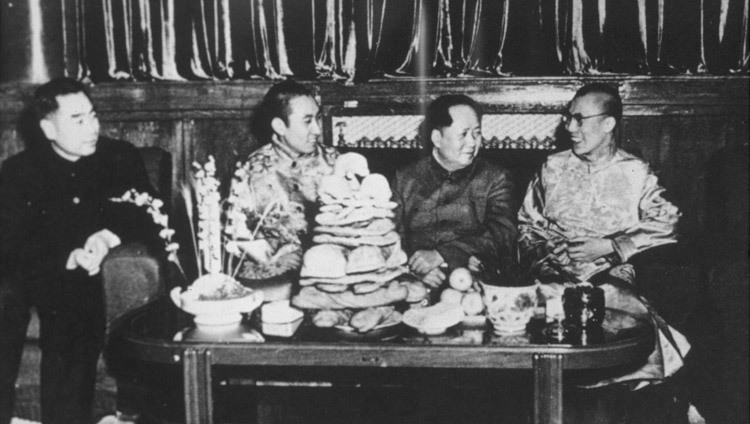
(500, 131)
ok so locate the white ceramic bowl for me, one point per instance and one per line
(188, 302)
(216, 316)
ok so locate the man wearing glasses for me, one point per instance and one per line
(594, 206)
(587, 213)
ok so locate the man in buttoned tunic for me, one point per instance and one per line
(56, 226)
(453, 205)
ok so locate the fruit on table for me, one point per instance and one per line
(461, 279)
(472, 303)
(451, 295)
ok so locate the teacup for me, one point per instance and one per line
(509, 308)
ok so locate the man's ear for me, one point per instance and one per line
(48, 128)
(435, 137)
(278, 126)
(609, 124)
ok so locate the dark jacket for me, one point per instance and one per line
(459, 214)
(50, 206)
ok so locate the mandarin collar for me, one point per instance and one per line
(592, 167)
(53, 161)
(444, 174)
(287, 153)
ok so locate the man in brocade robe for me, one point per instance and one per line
(587, 213)
(594, 206)
(275, 191)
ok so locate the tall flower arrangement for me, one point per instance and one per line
(220, 228)
(269, 233)
(208, 200)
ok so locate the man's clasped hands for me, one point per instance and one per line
(91, 255)
(429, 265)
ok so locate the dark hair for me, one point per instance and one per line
(612, 101)
(45, 97)
(275, 104)
(438, 115)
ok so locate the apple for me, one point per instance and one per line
(472, 303)
(450, 295)
(461, 279)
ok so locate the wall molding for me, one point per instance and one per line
(642, 96)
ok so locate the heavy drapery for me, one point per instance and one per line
(357, 40)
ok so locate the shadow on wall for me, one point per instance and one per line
(28, 128)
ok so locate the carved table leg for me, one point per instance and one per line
(197, 382)
(548, 385)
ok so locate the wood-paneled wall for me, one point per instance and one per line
(677, 123)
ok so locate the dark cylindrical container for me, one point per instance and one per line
(583, 306)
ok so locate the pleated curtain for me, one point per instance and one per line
(360, 40)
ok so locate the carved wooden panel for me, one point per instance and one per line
(499, 131)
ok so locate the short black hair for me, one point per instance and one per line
(275, 104)
(45, 97)
(438, 115)
(612, 101)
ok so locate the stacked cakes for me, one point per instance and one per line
(356, 270)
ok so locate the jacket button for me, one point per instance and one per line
(76, 200)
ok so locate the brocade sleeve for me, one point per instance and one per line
(657, 225)
(532, 224)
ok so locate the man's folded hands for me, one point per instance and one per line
(92, 254)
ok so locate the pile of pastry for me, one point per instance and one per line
(355, 273)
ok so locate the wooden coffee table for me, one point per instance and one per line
(148, 334)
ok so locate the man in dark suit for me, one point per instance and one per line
(57, 224)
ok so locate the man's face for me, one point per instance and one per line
(593, 137)
(457, 145)
(302, 131)
(73, 128)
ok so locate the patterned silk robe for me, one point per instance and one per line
(273, 174)
(619, 199)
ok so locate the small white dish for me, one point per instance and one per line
(279, 319)
(432, 331)
(435, 319)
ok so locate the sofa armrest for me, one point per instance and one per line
(131, 277)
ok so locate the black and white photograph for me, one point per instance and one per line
(374, 211)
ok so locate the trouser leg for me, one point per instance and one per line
(72, 333)
(14, 319)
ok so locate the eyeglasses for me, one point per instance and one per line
(568, 117)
